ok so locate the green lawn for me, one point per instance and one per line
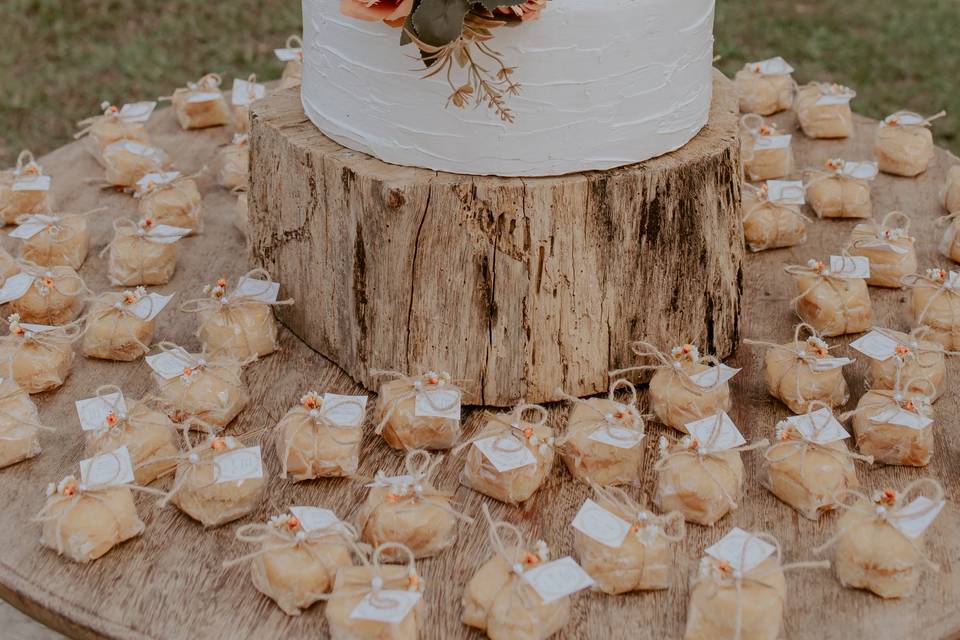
(61, 58)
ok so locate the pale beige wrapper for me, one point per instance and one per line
(762, 163)
(200, 115)
(19, 424)
(241, 218)
(889, 248)
(39, 361)
(107, 128)
(935, 307)
(177, 203)
(310, 445)
(763, 94)
(65, 242)
(14, 204)
(949, 245)
(54, 298)
(831, 193)
(135, 259)
(124, 167)
(893, 443)
(115, 333)
(771, 225)
(234, 164)
(396, 411)
(832, 305)
(951, 190)
(905, 150)
(8, 266)
(703, 487)
(920, 364)
(213, 391)
(827, 121)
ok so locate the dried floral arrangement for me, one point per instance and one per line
(456, 34)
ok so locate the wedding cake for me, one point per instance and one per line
(525, 88)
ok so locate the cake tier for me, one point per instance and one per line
(604, 84)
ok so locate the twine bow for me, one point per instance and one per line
(419, 466)
(26, 165)
(425, 386)
(822, 275)
(752, 125)
(120, 306)
(904, 118)
(57, 228)
(516, 555)
(59, 279)
(645, 525)
(624, 417)
(219, 300)
(51, 338)
(884, 235)
(939, 280)
(513, 433)
(218, 366)
(761, 199)
(373, 589)
(314, 415)
(834, 170)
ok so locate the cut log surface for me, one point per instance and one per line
(170, 584)
(517, 287)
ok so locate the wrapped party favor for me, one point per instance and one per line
(19, 424)
(208, 387)
(217, 480)
(878, 544)
(54, 240)
(898, 359)
(894, 427)
(418, 412)
(905, 144)
(951, 190)
(686, 386)
(512, 456)
(113, 124)
(803, 371)
(40, 356)
(377, 601)
(235, 163)
(809, 463)
(766, 87)
(832, 297)
(292, 56)
(701, 476)
(298, 555)
(824, 110)
(841, 189)
(772, 220)
(44, 295)
(201, 104)
(408, 509)
(888, 246)
(120, 326)
(623, 546)
(935, 305)
(126, 162)
(110, 421)
(320, 437)
(739, 591)
(239, 323)
(245, 93)
(24, 189)
(519, 592)
(766, 152)
(169, 198)
(602, 441)
(142, 253)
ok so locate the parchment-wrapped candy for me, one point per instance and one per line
(207, 387)
(201, 104)
(602, 442)
(19, 424)
(701, 476)
(245, 93)
(904, 143)
(113, 124)
(142, 253)
(879, 539)
(39, 355)
(809, 464)
(297, 558)
(120, 326)
(623, 546)
(686, 385)
(54, 240)
(766, 152)
(739, 592)
(320, 437)
(511, 456)
(418, 412)
(766, 87)
(126, 162)
(235, 163)
(375, 601)
(24, 189)
(170, 198)
(894, 427)
(833, 299)
(45, 295)
(772, 223)
(217, 481)
(898, 359)
(409, 510)
(951, 190)
(888, 247)
(803, 371)
(841, 189)
(8, 266)
(935, 305)
(824, 110)
(292, 55)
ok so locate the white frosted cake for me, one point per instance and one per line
(603, 83)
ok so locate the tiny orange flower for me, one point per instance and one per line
(310, 402)
(528, 433)
(293, 523)
(111, 419)
(530, 558)
(393, 498)
(18, 330)
(222, 282)
(413, 580)
(70, 490)
(217, 444)
(187, 371)
(48, 282)
(901, 350)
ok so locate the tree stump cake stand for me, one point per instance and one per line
(518, 287)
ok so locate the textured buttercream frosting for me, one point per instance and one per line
(605, 83)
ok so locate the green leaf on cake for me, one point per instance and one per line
(440, 22)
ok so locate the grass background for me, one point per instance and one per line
(60, 58)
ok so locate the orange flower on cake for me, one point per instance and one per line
(393, 12)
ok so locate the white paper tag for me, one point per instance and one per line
(245, 92)
(741, 550)
(346, 411)
(137, 111)
(828, 364)
(830, 429)
(260, 290)
(557, 579)
(875, 345)
(860, 170)
(313, 518)
(149, 307)
(390, 606)
(904, 119)
(32, 183)
(107, 468)
(157, 179)
(93, 412)
(596, 522)
(33, 225)
(714, 376)
(850, 266)
(238, 465)
(288, 55)
(170, 365)
(204, 96)
(953, 280)
(437, 402)
(772, 67)
(832, 99)
(36, 328)
(729, 436)
(785, 191)
(15, 287)
(137, 149)
(616, 437)
(912, 522)
(767, 143)
(166, 234)
(901, 417)
(505, 453)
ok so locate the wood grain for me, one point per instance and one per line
(516, 286)
(169, 583)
